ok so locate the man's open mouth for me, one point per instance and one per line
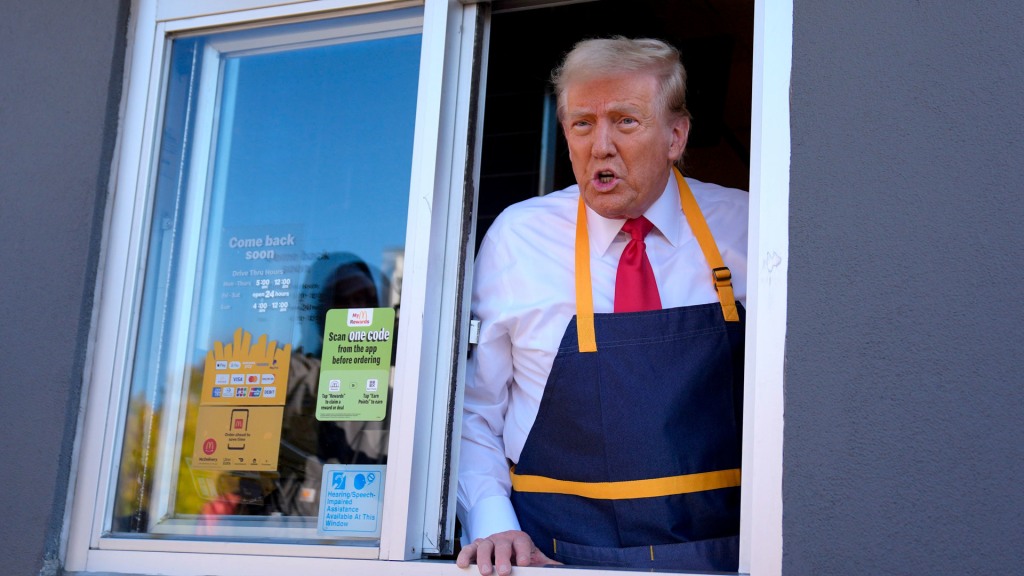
(605, 176)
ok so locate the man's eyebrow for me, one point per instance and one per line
(623, 108)
(578, 111)
(626, 108)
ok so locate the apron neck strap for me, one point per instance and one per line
(720, 274)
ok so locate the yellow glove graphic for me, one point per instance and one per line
(244, 372)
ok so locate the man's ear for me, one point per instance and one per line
(680, 134)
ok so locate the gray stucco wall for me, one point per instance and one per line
(61, 65)
(904, 402)
(904, 395)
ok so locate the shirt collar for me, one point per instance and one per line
(664, 214)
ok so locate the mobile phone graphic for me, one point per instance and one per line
(239, 423)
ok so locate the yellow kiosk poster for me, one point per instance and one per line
(242, 405)
(237, 438)
(355, 370)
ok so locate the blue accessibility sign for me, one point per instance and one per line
(351, 500)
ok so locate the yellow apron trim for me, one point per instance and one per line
(628, 489)
(720, 274)
(584, 293)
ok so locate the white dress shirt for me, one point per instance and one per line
(524, 296)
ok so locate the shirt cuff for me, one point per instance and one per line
(491, 515)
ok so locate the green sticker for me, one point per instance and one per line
(355, 369)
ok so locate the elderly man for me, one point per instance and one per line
(602, 416)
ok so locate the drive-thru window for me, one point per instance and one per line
(283, 321)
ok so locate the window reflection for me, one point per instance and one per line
(294, 204)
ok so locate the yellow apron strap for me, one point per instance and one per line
(720, 275)
(584, 292)
(624, 490)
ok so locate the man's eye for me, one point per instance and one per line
(629, 121)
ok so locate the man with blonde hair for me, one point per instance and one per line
(602, 415)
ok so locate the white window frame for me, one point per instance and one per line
(421, 345)
(767, 290)
(438, 165)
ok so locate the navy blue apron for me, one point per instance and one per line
(633, 460)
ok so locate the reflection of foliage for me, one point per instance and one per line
(138, 460)
(189, 500)
(135, 480)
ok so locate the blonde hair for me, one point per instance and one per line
(600, 57)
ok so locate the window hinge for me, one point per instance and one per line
(474, 331)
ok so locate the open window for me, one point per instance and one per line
(281, 159)
(737, 56)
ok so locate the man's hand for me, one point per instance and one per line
(500, 550)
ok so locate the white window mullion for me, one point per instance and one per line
(761, 517)
(408, 452)
(454, 160)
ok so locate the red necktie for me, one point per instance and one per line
(635, 287)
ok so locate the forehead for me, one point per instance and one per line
(631, 91)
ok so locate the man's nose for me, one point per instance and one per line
(604, 140)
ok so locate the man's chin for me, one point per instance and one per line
(612, 212)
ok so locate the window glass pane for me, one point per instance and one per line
(281, 193)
